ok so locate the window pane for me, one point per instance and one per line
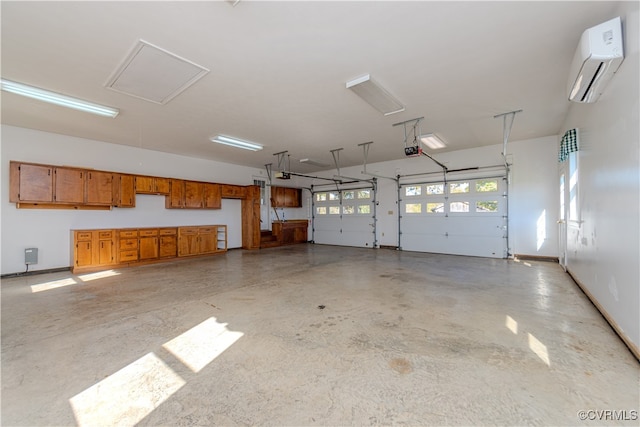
(487, 206)
(485, 185)
(459, 207)
(364, 209)
(364, 194)
(334, 195)
(334, 210)
(413, 190)
(435, 207)
(348, 195)
(435, 189)
(459, 187)
(348, 210)
(321, 197)
(321, 210)
(413, 208)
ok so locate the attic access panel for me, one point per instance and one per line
(154, 74)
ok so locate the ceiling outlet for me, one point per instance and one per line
(154, 74)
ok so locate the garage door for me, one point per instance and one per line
(466, 217)
(345, 217)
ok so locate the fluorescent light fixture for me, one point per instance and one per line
(238, 143)
(432, 141)
(375, 95)
(313, 162)
(57, 99)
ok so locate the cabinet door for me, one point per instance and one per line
(292, 197)
(36, 183)
(69, 185)
(83, 253)
(168, 246)
(187, 241)
(105, 251)
(99, 188)
(212, 196)
(124, 191)
(161, 185)
(175, 199)
(278, 197)
(208, 240)
(148, 247)
(193, 194)
(144, 184)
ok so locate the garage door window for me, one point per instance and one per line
(413, 191)
(433, 208)
(459, 187)
(486, 185)
(413, 208)
(487, 206)
(321, 210)
(459, 207)
(435, 189)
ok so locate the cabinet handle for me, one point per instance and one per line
(48, 172)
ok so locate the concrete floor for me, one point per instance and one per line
(312, 335)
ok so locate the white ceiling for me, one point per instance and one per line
(278, 72)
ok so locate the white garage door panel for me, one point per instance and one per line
(466, 217)
(344, 218)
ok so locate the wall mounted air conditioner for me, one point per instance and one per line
(597, 58)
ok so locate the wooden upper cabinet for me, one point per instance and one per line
(175, 199)
(233, 191)
(31, 183)
(152, 185)
(99, 188)
(286, 197)
(69, 185)
(212, 196)
(193, 194)
(124, 195)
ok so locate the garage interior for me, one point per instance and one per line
(354, 337)
(259, 242)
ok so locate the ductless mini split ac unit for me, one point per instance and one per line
(596, 60)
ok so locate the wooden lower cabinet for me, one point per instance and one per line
(201, 240)
(148, 244)
(96, 249)
(168, 247)
(93, 248)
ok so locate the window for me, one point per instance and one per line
(348, 195)
(321, 210)
(414, 190)
(413, 208)
(364, 209)
(486, 185)
(459, 187)
(321, 197)
(459, 207)
(334, 195)
(364, 194)
(435, 189)
(435, 207)
(348, 210)
(573, 187)
(487, 206)
(334, 210)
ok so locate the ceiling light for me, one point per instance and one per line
(432, 141)
(313, 162)
(58, 99)
(375, 95)
(238, 143)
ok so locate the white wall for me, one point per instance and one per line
(603, 249)
(533, 189)
(49, 230)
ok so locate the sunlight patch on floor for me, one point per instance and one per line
(198, 346)
(52, 285)
(127, 396)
